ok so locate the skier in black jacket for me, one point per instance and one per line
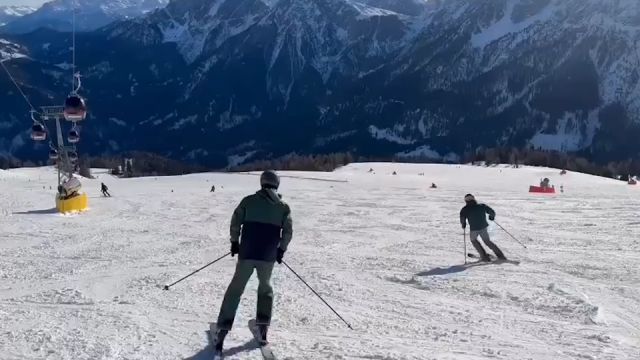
(476, 214)
(105, 190)
(261, 230)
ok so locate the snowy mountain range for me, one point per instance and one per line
(91, 14)
(238, 78)
(10, 13)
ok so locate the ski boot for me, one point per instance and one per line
(262, 331)
(220, 335)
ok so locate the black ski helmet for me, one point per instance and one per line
(469, 198)
(269, 180)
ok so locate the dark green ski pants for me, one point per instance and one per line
(244, 270)
(484, 234)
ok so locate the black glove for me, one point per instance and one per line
(235, 248)
(279, 256)
(492, 217)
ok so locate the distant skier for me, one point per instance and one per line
(261, 229)
(434, 186)
(213, 188)
(105, 190)
(545, 183)
(476, 214)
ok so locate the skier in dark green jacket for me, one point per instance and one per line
(476, 215)
(261, 229)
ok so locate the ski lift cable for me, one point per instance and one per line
(32, 108)
(73, 47)
(78, 83)
(75, 80)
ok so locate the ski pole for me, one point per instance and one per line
(166, 287)
(318, 295)
(464, 240)
(508, 233)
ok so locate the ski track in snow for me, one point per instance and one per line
(384, 250)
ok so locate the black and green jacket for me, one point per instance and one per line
(476, 214)
(262, 224)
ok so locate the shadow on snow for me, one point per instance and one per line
(460, 268)
(451, 269)
(207, 352)
(38, 212)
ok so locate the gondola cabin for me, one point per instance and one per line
(38, 132)
(73, 156)
(75, 108)
(73, 137)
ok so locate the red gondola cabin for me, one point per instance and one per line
(75, 108)
(38, 132)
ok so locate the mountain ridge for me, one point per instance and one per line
(9, 13)
(91, 14)
(238, 77)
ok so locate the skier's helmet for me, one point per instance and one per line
(469, 198)
(269, 180)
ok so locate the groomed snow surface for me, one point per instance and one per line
(384, 250)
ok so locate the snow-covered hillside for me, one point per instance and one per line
(384, 250)
(10, 13)
(9, 50)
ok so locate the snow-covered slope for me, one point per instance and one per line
(91, 14)
(9, 50)
(407, 7)
(384, 250)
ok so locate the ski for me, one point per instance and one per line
(265, 349)
(495, 260)
(213, 329)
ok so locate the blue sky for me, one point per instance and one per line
(22, 2)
